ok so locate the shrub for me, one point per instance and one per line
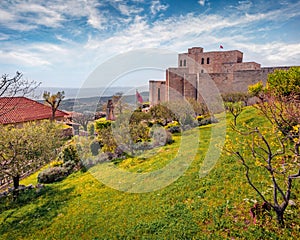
(69, 153)
(57, 163)
(102, 124)
(95, 147)
(52, 174)
(173, 127)
(70, 166)
(207, 120)
(199, 118)
(91, 129)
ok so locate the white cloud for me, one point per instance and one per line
(156, 7)
(4, 36)
(201, 2)
(208, 31)
(31, 14)
(244, 5)
(128, 11)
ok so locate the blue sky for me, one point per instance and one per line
(60, 42)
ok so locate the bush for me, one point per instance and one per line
(199, 118)
(52, 174)
(95, 147)
(207, 120)
(70, 166)
(56, 163)
(102, 124)
(91, 129)
(175, 129)
(69, 153)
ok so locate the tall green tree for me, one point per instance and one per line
(25, 149)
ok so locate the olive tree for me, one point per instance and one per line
(25, 149)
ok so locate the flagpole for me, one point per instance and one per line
(135, 97)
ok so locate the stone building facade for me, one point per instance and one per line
(225, 68)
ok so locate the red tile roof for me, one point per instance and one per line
(22, 109)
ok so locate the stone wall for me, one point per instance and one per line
(157, 92)
(225, 68)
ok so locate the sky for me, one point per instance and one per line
(61, 42)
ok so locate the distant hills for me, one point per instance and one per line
(89, 99)
(83, 92)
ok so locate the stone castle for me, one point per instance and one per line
(225, 68)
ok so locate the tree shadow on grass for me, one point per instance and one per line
(32, 211)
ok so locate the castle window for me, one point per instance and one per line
(202, 71)
(158, 94)
(202, 61)
(180, 63)
(184, 62)
(207, 60)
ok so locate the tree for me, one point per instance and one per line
(235, 108)
(284, 83)
(83, 119)
(275, 149)
(199, 108)
(27, 148)
(161, 114)
(236, 97)
(16, 86)
(53, 101)
(119, 102)
(273, 152)
(280, 101)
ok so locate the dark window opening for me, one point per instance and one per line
(207, 60)
(158, 94)
(184, 62)
(202, 71)
(180, 63)
(202, 61)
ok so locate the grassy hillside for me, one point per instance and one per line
(212, 207)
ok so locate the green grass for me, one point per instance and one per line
(211, 207)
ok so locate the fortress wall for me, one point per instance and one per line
(157, 92)
(223, 81)
(242, 79)
(190, 86)
(246, 66)
(225, 68)
(175, 83)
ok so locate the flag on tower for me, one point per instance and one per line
(139, 97)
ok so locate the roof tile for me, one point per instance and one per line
(22, 109)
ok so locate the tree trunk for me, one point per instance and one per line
(279, 214)
(16, 180)
(53, 114)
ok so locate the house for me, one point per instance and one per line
(18, 110)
